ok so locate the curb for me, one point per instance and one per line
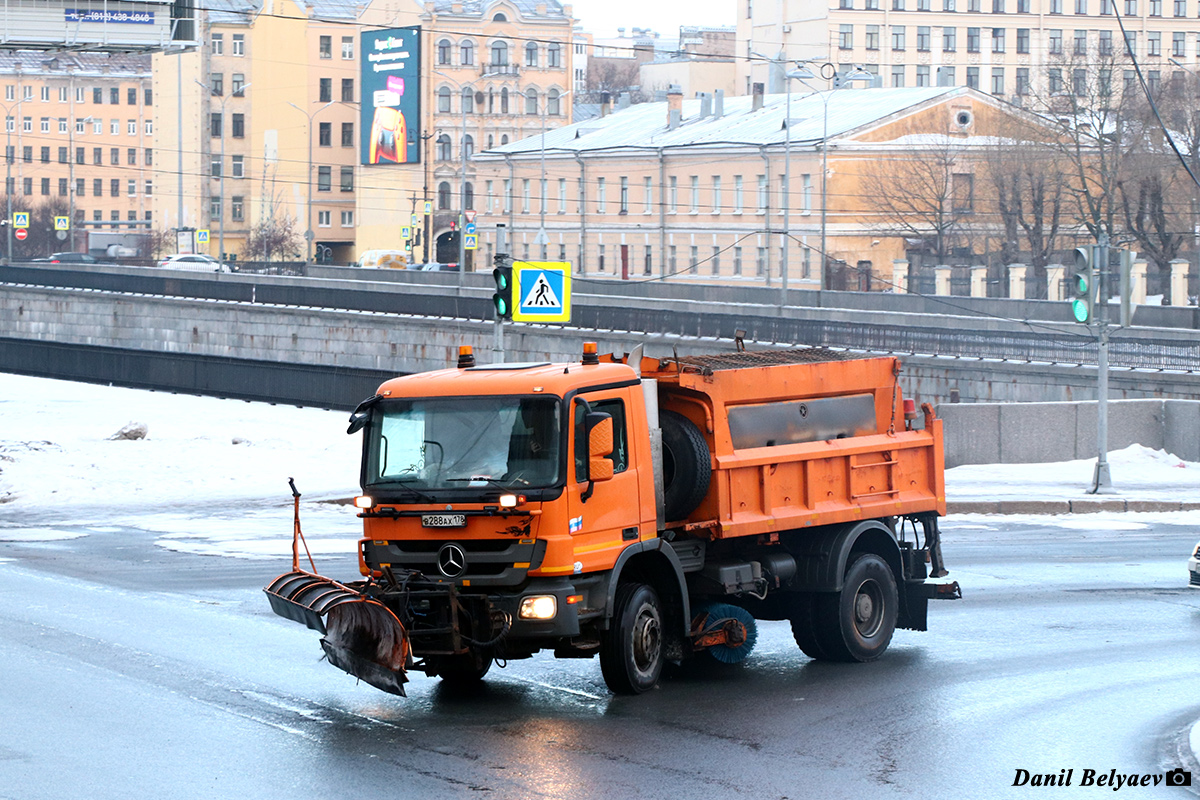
(1090, 505)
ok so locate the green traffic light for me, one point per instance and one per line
(1079, 308)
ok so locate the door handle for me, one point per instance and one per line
(629, 533)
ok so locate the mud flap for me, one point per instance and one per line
(361, 636)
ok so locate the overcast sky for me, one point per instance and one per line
(603, 17)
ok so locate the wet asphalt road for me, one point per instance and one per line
(130, 671)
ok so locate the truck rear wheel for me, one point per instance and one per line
(631, 650)
(857, 623)
(687, 465)
(804, 626)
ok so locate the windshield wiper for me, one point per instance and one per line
(492, 481)
(404, 483)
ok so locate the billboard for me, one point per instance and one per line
(391, 96)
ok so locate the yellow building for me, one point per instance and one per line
(694, 190)
(264, 120)
(79, 139)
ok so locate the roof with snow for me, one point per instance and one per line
(526, 8)
(234, 12)
(645, 125)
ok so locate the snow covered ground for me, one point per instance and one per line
(211, 475)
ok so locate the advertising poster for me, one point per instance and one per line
(391, 96)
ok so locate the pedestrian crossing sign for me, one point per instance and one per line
(542, 290)
(20, 219)
(202, 236)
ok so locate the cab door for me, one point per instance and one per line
(604, 523)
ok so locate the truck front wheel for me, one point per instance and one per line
(857, 623)
(462, 670)
(631, 650)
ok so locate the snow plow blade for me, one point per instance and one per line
(361, 636)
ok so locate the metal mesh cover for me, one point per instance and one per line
(765, 358)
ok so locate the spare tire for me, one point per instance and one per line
(687, 465)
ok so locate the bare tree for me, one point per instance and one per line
(925, 192)
(613, 76)
(274, 237)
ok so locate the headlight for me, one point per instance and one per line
(364, 501)
(541, 606)
(1196, 552)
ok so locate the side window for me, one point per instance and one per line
(620, 454)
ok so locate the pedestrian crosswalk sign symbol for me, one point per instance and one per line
(202, 236)
(543, 289)
(20, 219)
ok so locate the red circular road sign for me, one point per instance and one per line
(20, 233)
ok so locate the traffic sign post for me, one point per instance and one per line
(62, 223)
(470, 241)
(202, 236)
(541, 291)
(406, 232)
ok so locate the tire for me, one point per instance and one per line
(463, 670)
(631, 650)
(687, 465)
(804, 626)
(857, 623)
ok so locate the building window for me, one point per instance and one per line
(443, 147)
(466, 53)
(347, 134)
(45, 186)
(325, 46)
(997, 6)
(326, 90)
(1106, 43)
(695, 186)
(1080, 43)
(499, 54)
(973, 77)
(693, 259)
(846, 37)
(215, 124)
(468, 100)
(872, 42)
(897, 37)
(1154, 43)
(1079, 82)
(949, 39)
(114, 187)
(1056, 43)
(1022, 6)
(148, 99)
(737, 260)
(1054, 76)
(998, 81)
(237, 208)
(716, 194)
(214, 208)
(218, 45)
(443, 52)
(1131, 42)
(238, 167)
(324, 179)
(238, 123)
(217, 83)
(443, 100)
(131, 188)
(997, 40)
(923, 36)
(62, 155)
(600, 195)
(347, 48)
(1022, 40)
(347, 175)
(215, 167)
(806, 190)
(553, 103)
(962, 189)
(1156, 8)
(554, 55)
(1177, 43)
(531, 101)
(1181, 8)
(762, 194)
(531, 54)
(238, 85)
(27, 186)
(239, 44)
(715, 260)
(98, 187)
(760, 262)
(324, 219)
(347, 219)
(324, 134)
(149, 188)
(973, 40)
(898, 76)
(922, 75)
(1022, 81)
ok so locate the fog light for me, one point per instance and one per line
(542, 606)
(508, 501)
(364, 501)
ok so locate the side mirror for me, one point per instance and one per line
(600, 444)
(358, 419)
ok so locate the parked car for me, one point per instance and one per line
(74, 258)
(194, 262)
(1194, 567)
(434, 267)
(383, 259)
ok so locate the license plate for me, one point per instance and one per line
(443, 520)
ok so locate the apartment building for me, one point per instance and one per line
(694, 190)
(79, 140)
(498, 72)
(1007, 48)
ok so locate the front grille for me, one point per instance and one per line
(489, 562)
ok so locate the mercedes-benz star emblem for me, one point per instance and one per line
(451, 560)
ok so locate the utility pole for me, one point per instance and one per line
(1102, 478)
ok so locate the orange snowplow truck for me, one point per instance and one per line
(638, 509)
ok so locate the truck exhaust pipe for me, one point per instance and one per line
(361, 636)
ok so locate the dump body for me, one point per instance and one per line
(642, 511)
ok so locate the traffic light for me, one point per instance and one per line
(1083, 289)
(503, 297)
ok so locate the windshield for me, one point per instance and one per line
(455, 443)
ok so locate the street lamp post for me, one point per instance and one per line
(542, 224)
(10, 155)
(308, 234)
(241, 92)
